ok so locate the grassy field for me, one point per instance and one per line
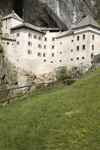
(65, 119)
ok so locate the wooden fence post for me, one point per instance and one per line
(85, 82)
(8, 95)
(29, 90)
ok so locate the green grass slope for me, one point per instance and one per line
(64, 119)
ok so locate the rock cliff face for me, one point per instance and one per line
(50, 13)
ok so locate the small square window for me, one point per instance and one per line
(29, 52)
(30, 35)
(92, 37)
(45, 39)
(77, 58)
(30, 43)
(40, 38)
(44, 60)
(92, 47)
(71, 59)
(6, 27)
(44, 54)
(53, 39)
(44, 46)
(35, 37)
(17, 35)
(39, 46)
(52, 54)
(61, 43)
(53, 46)
(7, 43)
(39, 54)
(83, 47)
(77, 48)
(51, 61)
(12, 43)
(83, 58)
(72, 40)
(77, 38)
(17, 43)
(60, 52)
(83, 36)
(71, 50)
(60, 60)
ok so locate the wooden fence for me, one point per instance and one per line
(12, 93)
(17, 92)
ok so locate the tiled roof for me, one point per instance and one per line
(12, 16)
(7, 37)
(88, 20)
(65, 33)
(28, 25)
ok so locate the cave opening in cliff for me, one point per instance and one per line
(18, 7)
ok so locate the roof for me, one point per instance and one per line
(88, 20)
(12, 15)
(27, 25)
(65, 33)
(49, 29)
(7, 37)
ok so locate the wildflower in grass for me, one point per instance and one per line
(85, 147)
(59, 101)
(91, 128)
(51, 129)
(84, 131)
(82, 135)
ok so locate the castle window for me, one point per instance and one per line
(45, 39)
(7, 43)
(17, 35)
(53, 39)
(44, 46)
(30, 35)
(72, 40)
(92, 47)
(78, 38)
(40, 38)
(39, 54)
(83, 36)
(83, 58)
(83, 47)
(60, 60)
(30, 43)
(60, 42)
(53, 46)
(18, 43)
(4, 42)
(77, 58)
(44, 60)
(92, 37)
(52, 54)
(51, 61)
(71, 50)
(12, 43)
(35, 37)
(71, 59)
(44, 54)
(39, 46)
(60, 52)
(29, 52)
(77, 48)
(6, 27)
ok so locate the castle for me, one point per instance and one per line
(41, 50)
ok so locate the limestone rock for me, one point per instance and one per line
(49, 13)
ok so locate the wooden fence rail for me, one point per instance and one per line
(29, 89)
(40, 87)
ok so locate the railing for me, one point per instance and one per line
(12, 93)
